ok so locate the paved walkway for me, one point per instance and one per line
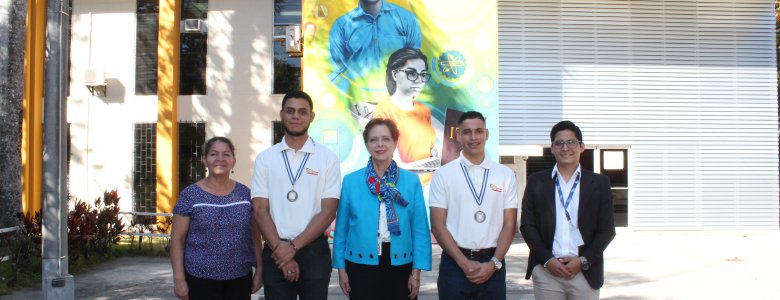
(640, 265)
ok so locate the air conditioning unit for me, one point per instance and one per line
(293, 42)
(94, 76)
(194, 25)
(95, 81)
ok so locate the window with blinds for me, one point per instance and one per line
(147, 27)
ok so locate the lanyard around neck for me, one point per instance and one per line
(571, 194)
(294, 177)
(477, 197)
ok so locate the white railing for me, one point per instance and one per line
(9, 229)
(146, 214)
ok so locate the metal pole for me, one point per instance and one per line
(56, 282)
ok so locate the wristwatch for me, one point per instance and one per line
(584, 263)
(497, 262)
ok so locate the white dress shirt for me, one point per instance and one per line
(563, 242)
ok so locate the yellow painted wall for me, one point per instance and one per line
(167, 103)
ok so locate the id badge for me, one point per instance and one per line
(577, 237)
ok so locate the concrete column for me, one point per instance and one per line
(57, 283)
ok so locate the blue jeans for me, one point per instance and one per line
(453, 285)
(314, 263)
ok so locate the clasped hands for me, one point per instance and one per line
(565, 267)
(284, 256)
(478, 272)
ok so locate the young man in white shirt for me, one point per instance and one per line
(296, 185)
(473, 203)
(567, 221)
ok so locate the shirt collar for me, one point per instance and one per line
(386, 7)
(486, 163)
(308, 147)
(555, 171)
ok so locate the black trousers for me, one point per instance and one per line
(208, 289)
(314, 263)
(383, 281)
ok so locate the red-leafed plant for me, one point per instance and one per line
(108, 225)
(81, 229)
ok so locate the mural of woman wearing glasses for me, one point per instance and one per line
(406, 75)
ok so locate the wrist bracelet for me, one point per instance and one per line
(415, 278)
(293, 245)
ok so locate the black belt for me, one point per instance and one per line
(478, 253)
(288, 240)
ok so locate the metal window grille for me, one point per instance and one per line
(191, 169)
(278, 131)
(192, 136)
(144, 167)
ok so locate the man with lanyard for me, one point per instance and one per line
(296, 185)
(567, 221)
(362, 40)
(473, 204)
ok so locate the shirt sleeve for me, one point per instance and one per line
(183, 206)
(510, 199)
(260, 178)
(414, 35)
(332, 178)
(338, 49)
(438, 191)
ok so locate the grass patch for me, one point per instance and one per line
(30, 274)
(131, 247)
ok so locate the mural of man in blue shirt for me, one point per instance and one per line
(362, 39)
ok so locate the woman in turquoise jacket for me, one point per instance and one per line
(382, 239)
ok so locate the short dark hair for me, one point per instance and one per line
(398, 59)
(380, 121)
(565, 125)
(298, 94)
(210, 143)
(471, 115)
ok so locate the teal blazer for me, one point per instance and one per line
(357, 222)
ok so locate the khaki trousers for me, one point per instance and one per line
(550, 287)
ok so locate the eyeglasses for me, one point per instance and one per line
(569, 143)
(412, 75)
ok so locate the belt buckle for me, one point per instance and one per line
(473, 253)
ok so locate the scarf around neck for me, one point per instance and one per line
(387, 192)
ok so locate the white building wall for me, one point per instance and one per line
(689, 85)
(239, 72)
(239, 103)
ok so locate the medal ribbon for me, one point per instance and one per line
(571, 194)
(485, 175)
(293, 179)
